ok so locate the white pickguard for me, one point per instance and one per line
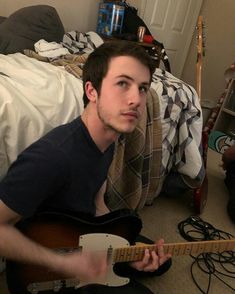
(105, 242)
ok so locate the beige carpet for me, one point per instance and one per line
(161, 219)
(164, 216)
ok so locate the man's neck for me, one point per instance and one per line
(102, 136)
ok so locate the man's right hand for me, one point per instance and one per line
(85, 266)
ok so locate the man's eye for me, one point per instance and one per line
(143, 89)
(122, 83)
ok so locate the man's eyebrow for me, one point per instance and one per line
(125, 76)
(130, 78)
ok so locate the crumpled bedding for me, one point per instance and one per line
(181, 117)
(34, 98)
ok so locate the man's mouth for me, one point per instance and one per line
(132, 114)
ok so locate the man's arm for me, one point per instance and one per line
(14, 245)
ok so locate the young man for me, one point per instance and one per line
(67, 168)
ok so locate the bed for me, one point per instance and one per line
(37, 94)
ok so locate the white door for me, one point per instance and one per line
(172, 22)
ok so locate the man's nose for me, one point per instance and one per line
(134, 96)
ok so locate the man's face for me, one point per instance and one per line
(123, 94)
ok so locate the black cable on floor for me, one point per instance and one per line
(217, 265)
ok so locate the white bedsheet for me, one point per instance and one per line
(34, 97)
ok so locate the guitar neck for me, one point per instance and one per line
(199, 58)
(199, 79)
(134, 253)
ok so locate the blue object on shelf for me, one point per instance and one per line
(110, 18)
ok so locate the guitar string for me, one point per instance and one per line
(221, 266)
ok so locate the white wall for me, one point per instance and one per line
(219, 30)
(78, 15)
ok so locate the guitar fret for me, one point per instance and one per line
(215, 247)
(134, 254)
(199, 247)
(126, 254)
(229, 247)
(131, 253)
(184, 249)
(188, 249)
(181, 250)
(209, 247)
(174, 250)
(195, 248)
(119, 255)
(168, 248)
(171, 249)
(225, 247)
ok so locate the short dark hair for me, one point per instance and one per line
(96, 66)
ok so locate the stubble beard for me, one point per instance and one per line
(109, 126)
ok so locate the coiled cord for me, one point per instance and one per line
(218, 265)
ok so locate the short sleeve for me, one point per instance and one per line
(39, 172)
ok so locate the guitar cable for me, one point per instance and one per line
(218, 265)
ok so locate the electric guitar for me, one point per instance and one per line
(200, 193)
(112, 233)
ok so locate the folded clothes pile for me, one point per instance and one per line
(50, 49)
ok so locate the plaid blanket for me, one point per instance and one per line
(134, 175)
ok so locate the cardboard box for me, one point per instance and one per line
(110, 19)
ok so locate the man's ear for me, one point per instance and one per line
(91, 92)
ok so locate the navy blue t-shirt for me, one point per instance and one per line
(63, 170)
